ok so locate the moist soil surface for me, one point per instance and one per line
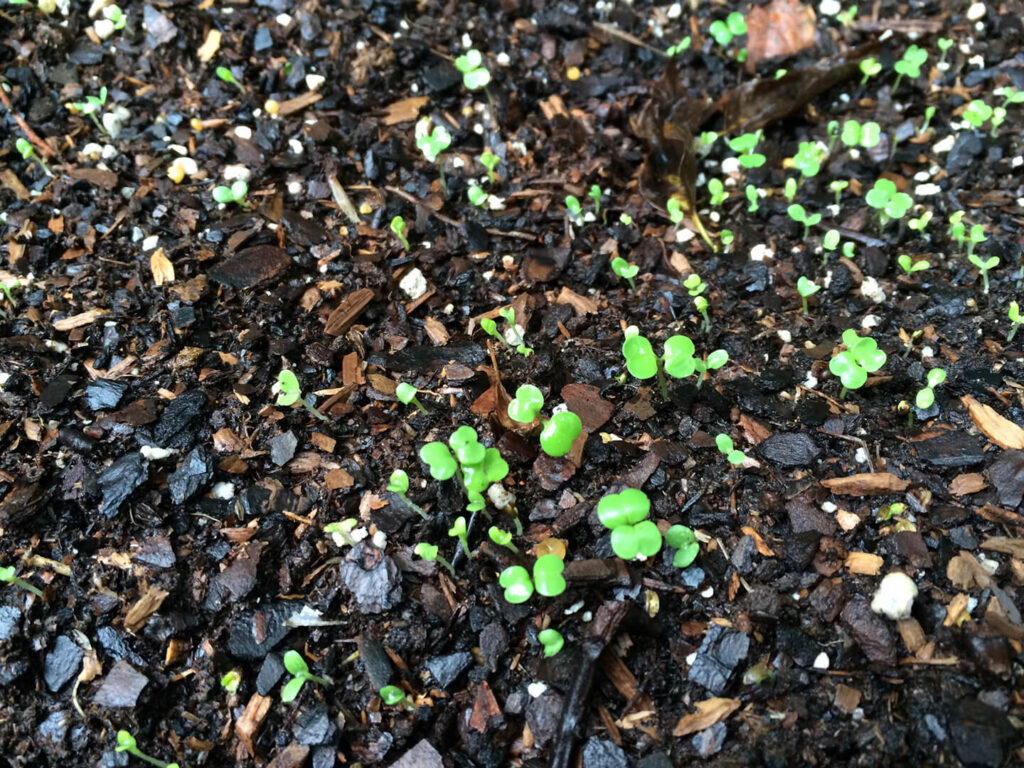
(172, 512)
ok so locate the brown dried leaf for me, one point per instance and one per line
(956, 610)
(762, 548)
(709, 712)
(298, 103)
(161, 267)
(847, 699)
(581, 304)
(866, 484)
(967, 483)
(484, 708)
(406, 109)
(382, 384)
(249, 723)
(145, 607)
(781, 28)
(1006, 545)
(864, 563)
(965, 572)
(753, 430)
(436, 331)
(339, 478)
(996, 428)
(347, 311)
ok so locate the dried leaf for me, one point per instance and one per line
(406, 109)
(161, 266)
(709, 712)
(754, 431)
(996, 428)
(339, 478)
(382, 384)
(145, 607)
(956, 611)
(307, 99)
(581, 304)
(864, 563)
(436, 331)
(1006, 545)
(484, 708)
(781, 28)
(965, 572)
(967, 483)
(210, 46)
(347, 311)
(866, 484)
(847, 699)
(762, 548)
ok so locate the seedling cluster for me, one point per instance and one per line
(861, 357)
(677, 360)
(477, 467)
(516, 332)
(558, 433)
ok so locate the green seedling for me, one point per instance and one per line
(476, 195)
(861, 357)
(474, 75)
(28, 152)
(398, 229)
(696, 287)
(234, 194)
(977, 113)
(477, 466)
(838, 186)
(398, 484)
(434, 142)
(490, 327)
(727, 237)
(725, 446)
(1012, 96)
(745, 144)
(299, 670)
(7, 574)
(516, 582)
(929, 113)
(625, 270)
(789, 189)
(975, 236)
(675, 211)
(867, 135)
(429, 553)
(717, 191)
(957, 229)
(798, 214)
(806, 288)
(228, 77)
(752, 197)
(624, 514)
(558, 434)
(126, 743)
(808, 159)
(406, 394)
(943, 44)
(574, 207)
(92, 106)
(678, 360)
(724, 31)
(1016, 320)
(869, 68)
(704, 142)
(921, 222)
(890, 203)
(393, 696)
(984, 265)
(490, 161)
(458, 531)
(115, 16)
(926, 397)
(682, 540)
(440, 461)
(552, 641)
(682, 45)
(848, 249)
(909, 266)
(547, 575)
(595, 195)
(847, 17)
(526, 405)
(910, 65)
(343, 531)
(891, 511)
(502, 538)
(625, 219)
(832, 131)
(998, 118)
(231, 681)
(289, 393)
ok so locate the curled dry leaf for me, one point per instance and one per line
(781, 28)
(996, 428)
(709, 712)
(161, 267)
(866, 484)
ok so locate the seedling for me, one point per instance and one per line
(847, 17)
(682, 45)
(717, 190)
(696, 287)
(406, 393)
(908, 265)
(625, 219)
(398, 228)
(910, 65)
(547, 575)
(432, 142)
(975, 236)
(234, 194)
(944, 44)
(890, 511)
(91, 107)
(752, 197)
(929, 113)
(7, 574)
(789, 189)
(977, 112)
(682, 539)
(745, 144)
(526, 405)
(866, 135)
(398, 484)
(724, 31)
(458, 531)
(984, 265)
(28, 152)
(393, 696)
(126, 743)
(806, 288)
(116, 16)
(228, 77)
(727, 238)
(516, 582)
(552, 641)
(595, 195)
(889, 203)
(299, 670)
(625, 515)
(926, 397)
(625, 270)
(838, 186)
(734, 456)
(477, 467)
(474, 75)
(289, 393)
(921, 222)
(476, 195)
(231, 681)
(558, 434)
(1015, 320)
(490, 327)
(678, 360)
(798, 214)
(808, 159)
(342, 531)
(575, 209)
(429, 553)
(502, 538)
(675, 211)
(861, 357)
(869, 68)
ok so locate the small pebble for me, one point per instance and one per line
(895, 596)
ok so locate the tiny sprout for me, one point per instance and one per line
(889, 511)
(559, 433)
(975, 236)
(752, 197)
(869, 68)
(984, 265)
(432, 142)
(515, 580)
(867, 135)
(290, 393)
(724, 444)
(625, 270)
(28, 152)
(527, 403)
(115, 16)
(929, 113)
(547, 575)
(299, 670)
(808, 159)
(675, 211)
(848, 249)
(458, 531)
(406, 393)
(398, 484)
(921, 222)
(745, 144)
(890, 203)
(7, 574)
(944, 44)
(799, 214)
(552, 641)
(957, 228)
(126, 743)
(696, 287)
(831, 240)
(908, 265)
(847, 17)
(476, 195)
(1015, 319)
(717, 190)
(228, 76)
(474, 75)
(490, 161)
(861, 357)
(806, 288)
(398, 228)
(678, 360)
(392, 695)
(789, 189)
(681, 539)
(501, 538)
(342, 531)
(234, 194)
(91, 107)
(926, 397)
(572, 205)
(490, 327)
(429, 553)
(595, 195)
(1012, 96)
(231, 681)
(838, 186)
(977, 112)
(705, 140)
(727, 238)
(682, 45)
(625, 219)
(724, 31)
(910, 64)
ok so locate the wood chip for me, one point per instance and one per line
(1005, 545)
(912, 634)
(77, 321)
(781, 28)
(382, 384)
(996, 428)
(96, 176)
(864, 563)
(965, 572)
(847, 699)
(586, 402)
(161, 267)
(625, 683)
(339, 478)
(754, 431)
(210, 46)
(709, 712)
(145, 607)
(436, 331)
(484, 708)
(298, 103)
(352, 370)
(341, 319)
(581, 304)
(248, 724)
(967, 483)
(10, 180)
(762, 548)
(956, 611)
(404, 110)
(866, 484)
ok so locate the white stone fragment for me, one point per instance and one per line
(235, 173)
(976, 11)
(155, 453)
(944, 145)
(895, 596)
(830, 7)
(761, 251)
(870, 289)
(413, 284)
(822, 661)
(224, 491)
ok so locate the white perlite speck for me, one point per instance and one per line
(414, 284)
(895, 596)
(976, 11)
(821, 661)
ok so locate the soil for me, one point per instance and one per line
(173, 513)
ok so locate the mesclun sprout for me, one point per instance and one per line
(861, 357)
(926, 397)
(717, 191)
(724, 31)
(398, 229)
(91, 107)
(696, 287)
(943, 44)
(552, 641)
(299, 670)
(290, 393)
(678, 360)
(526, 405)
(398, 484)
(984, 265)
(957, 228)
(429, 553)
(476, 466)
(28, 152)
(228, 77)
(625, 270)
(727, 237)
(847, 17)
(977, 113)
(725, 446)
(866, 135)
(838, 186)
(476, 195)
(806, 288)
(682, 539)
(231, 681)
(515, 580)
(869, 67)
(975, 236)
(406, 394)
(921, 222)
(432, 140)
(558, 434)
(888, 201)
(829, 243)
(126, 743)
(1016, 320)
(625, 219)
(458, 531)
(342, 530)
(752, 198)
(808, 159)
(789, 189)
(392, 695)
(929, 113)
(7, 575)
(745, 144)
(574, 207)
(799, 214)
(625, 514)
(908, 265)
(682, 45)
(595, 194)
(490, 327)
(502, 538)
(910, 65)
(490, 161)
(474, 74)
(547, 575)
(236, 193)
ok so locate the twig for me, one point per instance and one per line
(614, 31)
(416, 201)
(31, 135)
